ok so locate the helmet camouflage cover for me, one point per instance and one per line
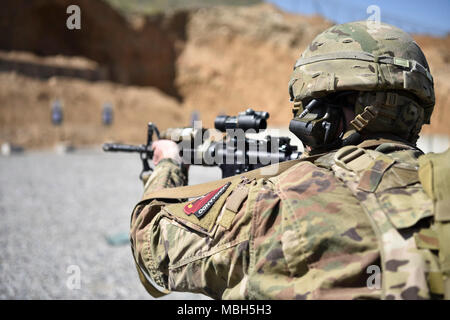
(380, 62)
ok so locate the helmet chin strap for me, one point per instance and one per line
(363, 119)
(360, 121)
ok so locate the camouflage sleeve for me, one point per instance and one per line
(167, 174)
(182, 255)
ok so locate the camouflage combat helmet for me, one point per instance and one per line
(381, 63)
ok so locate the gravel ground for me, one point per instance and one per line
(56, 211)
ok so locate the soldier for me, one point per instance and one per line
(349, 220)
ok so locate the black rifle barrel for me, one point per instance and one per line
(117, 147)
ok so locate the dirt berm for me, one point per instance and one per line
(155, 68)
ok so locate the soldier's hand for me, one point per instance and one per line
(165, 149)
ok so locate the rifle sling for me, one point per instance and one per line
(201, 189)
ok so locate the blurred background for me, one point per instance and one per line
(68, 85)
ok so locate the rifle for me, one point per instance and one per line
(226, 146)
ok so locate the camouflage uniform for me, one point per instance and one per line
(322, 228)
(300, 235)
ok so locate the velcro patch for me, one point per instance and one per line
(200, 206)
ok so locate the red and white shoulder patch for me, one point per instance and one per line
(199, 207)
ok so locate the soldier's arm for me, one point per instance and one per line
(208, 255)
(168, 172)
